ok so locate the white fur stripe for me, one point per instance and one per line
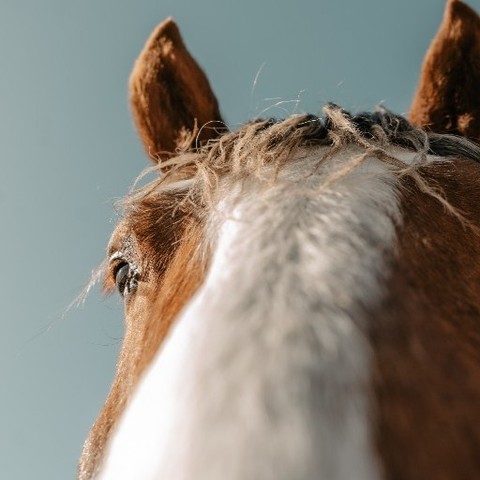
(266, 374)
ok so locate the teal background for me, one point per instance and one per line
(68, 149)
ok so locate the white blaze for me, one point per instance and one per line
(265, 375)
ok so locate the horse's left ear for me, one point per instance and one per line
(171, 98)
(448, 95)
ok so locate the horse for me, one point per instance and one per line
(301, 295)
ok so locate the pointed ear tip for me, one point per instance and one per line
(453, 4)
(456, 9)
(168, 27)
(165, 33)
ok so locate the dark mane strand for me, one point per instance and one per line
(381, 126)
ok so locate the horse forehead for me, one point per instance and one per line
(304, 162)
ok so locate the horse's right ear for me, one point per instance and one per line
(448, 95)
(172, 102)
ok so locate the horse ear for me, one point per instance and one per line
(448, 99)
(170, 96)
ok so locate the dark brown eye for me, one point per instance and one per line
(125, 278)
(121, 277)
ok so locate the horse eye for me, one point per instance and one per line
(122, 277)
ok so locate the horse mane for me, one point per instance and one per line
(273, 143)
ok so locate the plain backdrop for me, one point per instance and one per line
(68, 150)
